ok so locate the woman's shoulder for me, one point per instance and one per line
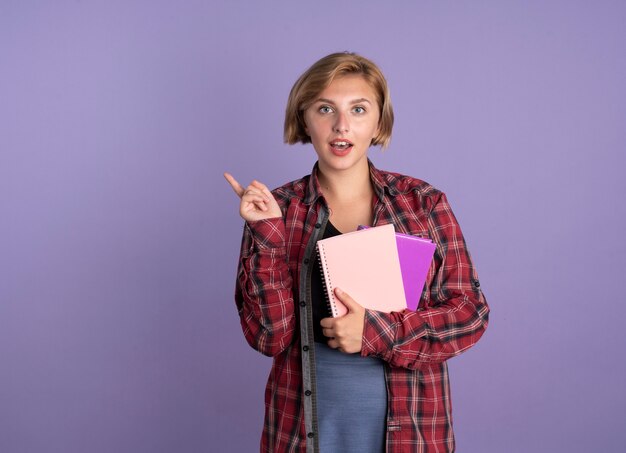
(401, 184)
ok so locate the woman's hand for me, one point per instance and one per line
(257, 202)
(345, 332)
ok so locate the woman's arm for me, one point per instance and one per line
(263, 291)
(456, 313)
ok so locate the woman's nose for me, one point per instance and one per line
(341, 123)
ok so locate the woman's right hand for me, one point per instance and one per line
(257, 202)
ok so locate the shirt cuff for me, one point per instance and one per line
(379, 332)
(267, 234)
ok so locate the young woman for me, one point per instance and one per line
(367, 381)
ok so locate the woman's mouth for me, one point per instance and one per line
(341, 147)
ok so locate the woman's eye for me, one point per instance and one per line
(359, 109)
(325, 109)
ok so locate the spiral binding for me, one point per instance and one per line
(327, 283)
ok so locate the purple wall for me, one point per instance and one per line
(119, 238)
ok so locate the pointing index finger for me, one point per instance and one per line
(234, 184)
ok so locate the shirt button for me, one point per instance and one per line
(308, 393)
(476, 283)
(303, 304)
(310, 435)
(306, 261)
(317, 225)
(305, 348)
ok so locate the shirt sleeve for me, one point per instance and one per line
(455, 314)
(263, 291)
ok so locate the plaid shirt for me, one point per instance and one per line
(273, 300)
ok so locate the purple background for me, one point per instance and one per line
(119, 237)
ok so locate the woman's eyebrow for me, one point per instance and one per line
(359, 101)
(355, 101)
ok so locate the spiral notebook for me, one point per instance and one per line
(364, 264)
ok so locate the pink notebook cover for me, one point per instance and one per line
(416, 254)
(365, 265)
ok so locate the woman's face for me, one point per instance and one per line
(342, 121)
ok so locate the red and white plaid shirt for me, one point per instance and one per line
(273, 299)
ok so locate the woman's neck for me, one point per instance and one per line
(346, 186)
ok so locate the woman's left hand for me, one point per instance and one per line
(345, 332)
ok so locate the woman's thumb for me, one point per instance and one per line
(345, 299)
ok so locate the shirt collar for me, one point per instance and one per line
(380, 183)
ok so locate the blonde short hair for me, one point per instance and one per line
(319, 76)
